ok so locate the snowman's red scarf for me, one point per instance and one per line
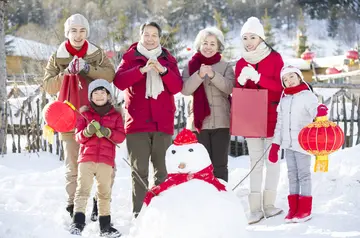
(176, 179)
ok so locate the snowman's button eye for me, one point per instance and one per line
(191, 150)
(173, 151)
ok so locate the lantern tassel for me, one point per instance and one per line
(48, 134)
(321, 163)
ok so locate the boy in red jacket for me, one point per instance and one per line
(97, 131)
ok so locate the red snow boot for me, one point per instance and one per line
(304, 209)
(293, 200)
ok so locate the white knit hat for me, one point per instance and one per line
(99, 83)
(253, 25)
(290, 69)
(209, 31)
(76, 20)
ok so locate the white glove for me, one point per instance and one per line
(244, 75)
(242, 79)
(253, 74)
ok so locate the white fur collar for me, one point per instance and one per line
(63, 53)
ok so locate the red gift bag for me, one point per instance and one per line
(70, 90)
(249, 112)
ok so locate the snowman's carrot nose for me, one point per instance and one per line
(182, 165)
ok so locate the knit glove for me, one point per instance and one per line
(244, 75)
(321, 110)
(252, 73)
(83, 66)
(91, 128)
(103, 131)
(273, 154)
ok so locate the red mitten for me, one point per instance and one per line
(321, 110)
(273, 154)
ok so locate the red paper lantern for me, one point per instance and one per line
(321, 138)
(308, 55)
(352, 55)
(59, 116)
(332, 70)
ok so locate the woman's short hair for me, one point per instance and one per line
(208, 32)
(154, 24)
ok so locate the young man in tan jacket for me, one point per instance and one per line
(75, 56)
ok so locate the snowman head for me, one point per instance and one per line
(186, 155)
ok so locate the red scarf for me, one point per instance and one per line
(296, 89)
(201, 104)
(176, 179)
(73, 51)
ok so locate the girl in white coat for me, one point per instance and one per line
(296, 109)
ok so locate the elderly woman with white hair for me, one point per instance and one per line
(210, 80)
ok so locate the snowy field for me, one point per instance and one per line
(32, 198)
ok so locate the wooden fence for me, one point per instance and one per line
(30, 122)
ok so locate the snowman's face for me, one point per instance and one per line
(186, 158)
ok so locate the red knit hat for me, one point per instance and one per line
(185, 137)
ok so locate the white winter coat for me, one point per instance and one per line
(294, 113)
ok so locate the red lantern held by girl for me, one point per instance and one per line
(321, 138)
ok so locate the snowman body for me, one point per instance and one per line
(192, 209)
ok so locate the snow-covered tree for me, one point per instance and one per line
(268, 29)
(3, 77)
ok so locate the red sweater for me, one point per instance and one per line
(269, 68)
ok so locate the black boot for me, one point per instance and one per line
(106, 229)
(94, 213)
(70, 209)
(78, 224)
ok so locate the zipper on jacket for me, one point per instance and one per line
(98, 151)
(291, 102)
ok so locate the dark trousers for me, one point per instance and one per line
(216, 142)
(141, 147)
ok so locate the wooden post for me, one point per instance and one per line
(337, 111)
(183, 112)
(358, 122)
(12, 129)
(20, 128)
(345, 122)
(57, 144)
(37, 124)
(331, 117)
(351, 139)
(236, 152)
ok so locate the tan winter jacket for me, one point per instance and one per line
(100, 67)
(217, 90)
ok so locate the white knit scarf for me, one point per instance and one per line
(154, 84)
(254, 57)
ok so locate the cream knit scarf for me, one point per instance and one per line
(254, 57)
(154, 84)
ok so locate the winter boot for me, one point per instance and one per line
(293, 200)
(78, 224)
(304, 209)
(94, 213)
(70, 209)
(106, 230)
(256, 214)
(269, 199)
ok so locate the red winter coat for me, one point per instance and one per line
(95, 149)
(269, 68)
(147, 114)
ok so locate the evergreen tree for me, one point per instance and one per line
(268, 29)
(170, 41)
(333, 23)
(301, 36)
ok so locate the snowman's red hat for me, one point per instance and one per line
(185, 137)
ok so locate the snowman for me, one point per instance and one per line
(191, 203)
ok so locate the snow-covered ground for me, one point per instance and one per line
(32, 198)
